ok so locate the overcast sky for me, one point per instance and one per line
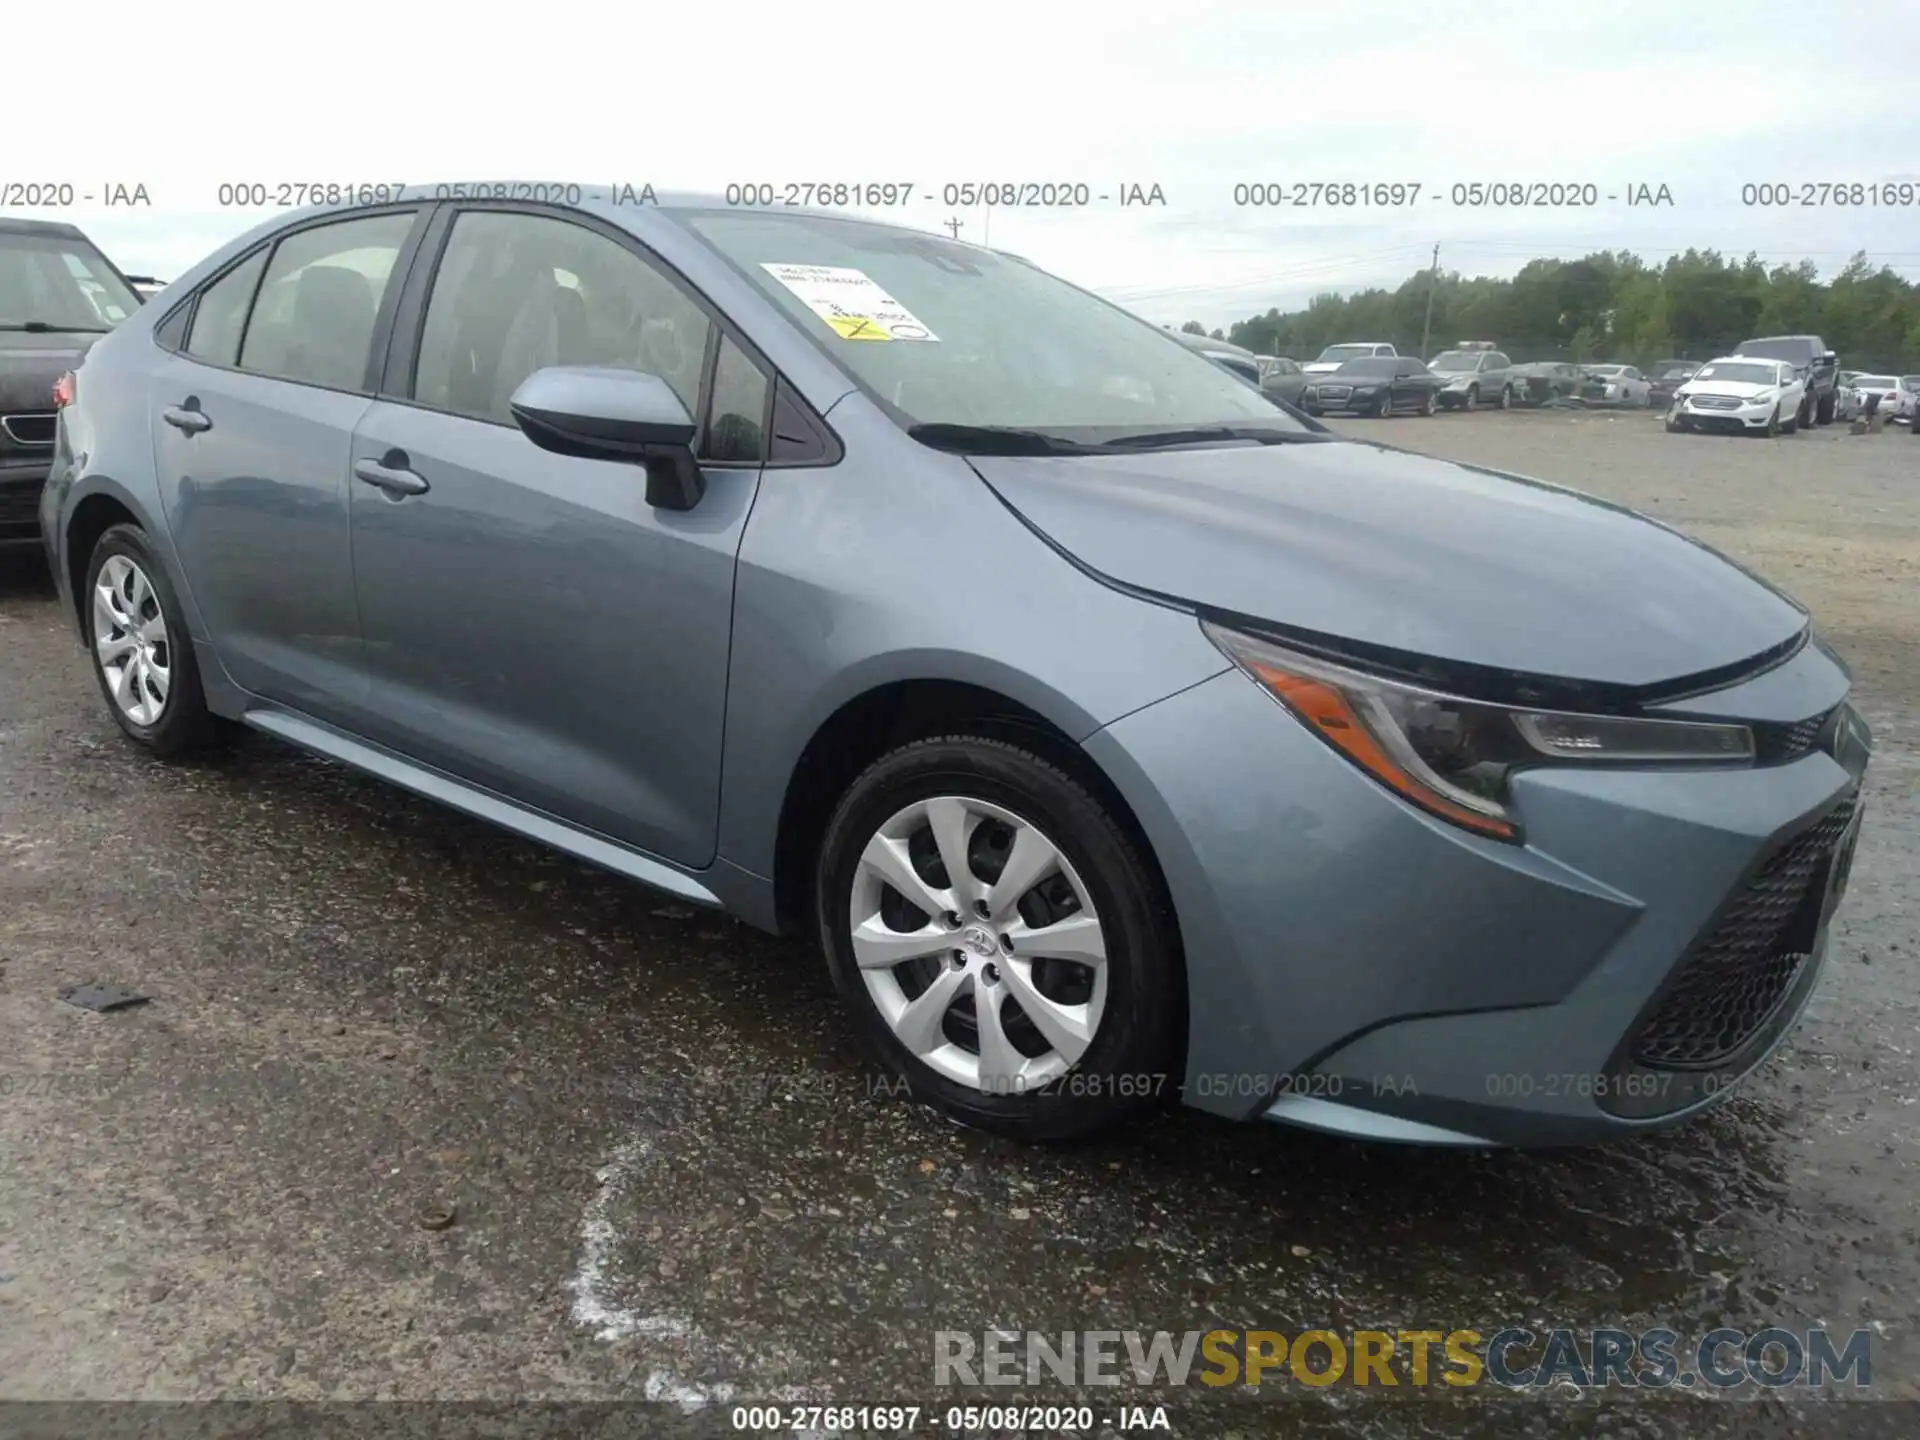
(1194, 97)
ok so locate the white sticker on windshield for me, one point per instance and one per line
(850, 302)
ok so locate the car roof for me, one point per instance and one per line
(1208, 343)
(41, 227)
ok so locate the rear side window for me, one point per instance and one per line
(315, 316)
(517, 293)
(221, 313)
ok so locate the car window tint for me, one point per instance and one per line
(736, 429)
(518, 293)
(220, 314)
(315, 316)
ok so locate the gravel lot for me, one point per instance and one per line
(364, 1007)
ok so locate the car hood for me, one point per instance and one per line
(1361, 543)
(29, 364)
(1740, 389)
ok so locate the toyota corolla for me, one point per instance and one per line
(1115, 732)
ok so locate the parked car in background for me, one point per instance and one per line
(1236, 360)
(58, 294)
(1817, 365)
(1545, 381)
(1379, 385)
(1283, 380)
(1911, 384)
(1846, 399)
(1666, 376)
(1334, 356)
(1896, 402)
(145, 286)
(1741, 394)
(1610, 385)
(1472, 378)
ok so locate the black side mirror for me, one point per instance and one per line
(603, 413)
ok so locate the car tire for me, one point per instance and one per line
(1124, 1014)
(1773, 424)
(1789, 427)
(143, 657)
(1429, 405)
(1472, 402)
(1506, 397)
(1823, 412)
(1383, 407)
(1804, 415)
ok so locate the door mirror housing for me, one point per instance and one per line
(604, 413)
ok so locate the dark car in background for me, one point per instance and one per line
(1666, 376)
(58, 294)
(1379, 385)
(1545, 381)
(1818, 366)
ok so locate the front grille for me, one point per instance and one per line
(1335, 392)
(34, 431)
(1715, 402)
(1781, 744)
(1729, 986)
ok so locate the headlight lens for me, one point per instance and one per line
(1454, 757)
(1765, 397)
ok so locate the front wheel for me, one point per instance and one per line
(1383, 407)
(1472, 402)
(1000, 940)
(1824, 411)
(1506, 397)
(142, 655)
(1429, 404)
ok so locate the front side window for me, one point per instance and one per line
(518, 293)
(737, 429)
(948, 333)
(314, 319)
(59, 282)
(220, 315)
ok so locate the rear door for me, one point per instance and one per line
(252, 427)
(532, 625)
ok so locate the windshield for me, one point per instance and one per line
(1910, 382)
(947, 333)
(60, 282)
(1377, 365)
(1677, 372)
(1340, 354)
(1741, 374)
(1604, 369)
(1798, 351)
(1877, 382)
(1455, 360)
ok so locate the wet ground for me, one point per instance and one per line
(671, 1175)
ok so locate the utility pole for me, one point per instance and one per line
(954, 225)
(1426, 327)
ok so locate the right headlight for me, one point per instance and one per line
(1454, 757)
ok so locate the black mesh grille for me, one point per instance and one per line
(29, 431)
(1728, 987)
(1778, 744)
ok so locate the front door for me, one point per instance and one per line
(532, 626)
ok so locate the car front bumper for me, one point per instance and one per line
(1341, 404)
(1357, 966)
(21, 482)
(1741, 419)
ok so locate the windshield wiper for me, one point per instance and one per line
(996, 440)
(47, 327)
(1213, 434)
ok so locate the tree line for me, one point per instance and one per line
(1614, 306)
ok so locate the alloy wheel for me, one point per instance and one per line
(979, 944)
(130, 640)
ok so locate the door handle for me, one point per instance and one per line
(190, 418)
(395, 481)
